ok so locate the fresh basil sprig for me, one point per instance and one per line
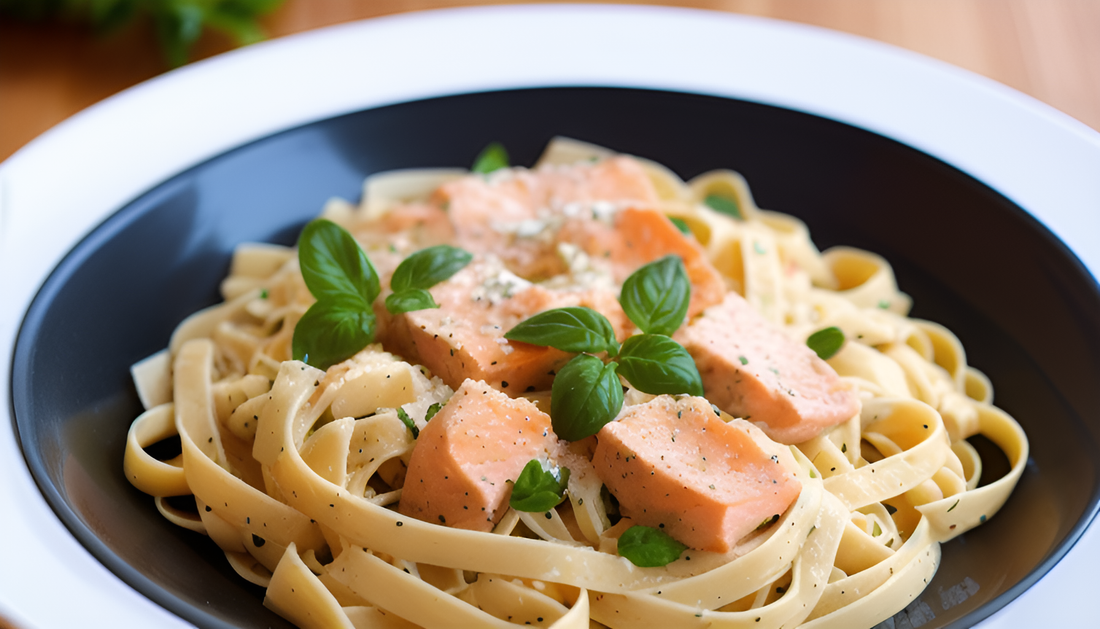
(332, 331)
(419, 272)
(826, 342)
(572, 329)
(656, 364)
(342, 279)
(656, 296)
(492, 157)
(724, 205)
(648, 547)
(587, 394)
(585, 397)
(539, 489)
(333, 265)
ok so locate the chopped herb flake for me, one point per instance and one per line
(432, 410)
(409, 423)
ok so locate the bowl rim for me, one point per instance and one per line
(109, 155)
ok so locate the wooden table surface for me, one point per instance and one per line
(1049, 49)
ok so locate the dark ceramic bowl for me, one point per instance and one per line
(1025, 308)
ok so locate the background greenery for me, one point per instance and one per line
(178, 23)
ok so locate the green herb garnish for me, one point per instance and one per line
(657, 295)
(410, 301)
(656, 364)
(491, 158)
(876, 531)
(409, 423)
(345, 284)
(586, 396)
(539, 489)
(649, 547)
(724, 204)
(419, 272)
(332, 331)
(827, 342)
(681, 225)
(573, 329)
(432, 410)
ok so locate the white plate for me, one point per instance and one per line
(60, 186)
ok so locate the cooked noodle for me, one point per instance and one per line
(297, 472)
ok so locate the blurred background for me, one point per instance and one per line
(60, 56)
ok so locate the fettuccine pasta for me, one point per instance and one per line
(298, 474)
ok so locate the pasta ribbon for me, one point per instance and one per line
(297, 473)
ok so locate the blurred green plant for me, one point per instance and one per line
(178, 23)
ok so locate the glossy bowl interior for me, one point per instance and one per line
(1024, 307)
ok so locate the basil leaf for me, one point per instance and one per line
(538, 489)
(409, 423)
(649, 547)
(681, 225)
(827, 342)
(572, 329)
(428, 267)
(410, 300)
(492, 157)
(586, 396)
(656, 296)
(333, 265)
(653, 363)
(724, 205)
(332, 331)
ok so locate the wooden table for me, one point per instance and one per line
(1049, 49)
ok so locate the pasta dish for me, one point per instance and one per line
(587, 393)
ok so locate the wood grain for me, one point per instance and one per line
(1049, 49)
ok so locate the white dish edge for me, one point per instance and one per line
(56, 189)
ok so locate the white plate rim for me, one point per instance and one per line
(61, 185)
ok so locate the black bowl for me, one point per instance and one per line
(1027, 311)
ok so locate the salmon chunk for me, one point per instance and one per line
(464, 337)
(675, 465)
(641, 235)
(750, 369)
(517, 213)
(464, 457)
